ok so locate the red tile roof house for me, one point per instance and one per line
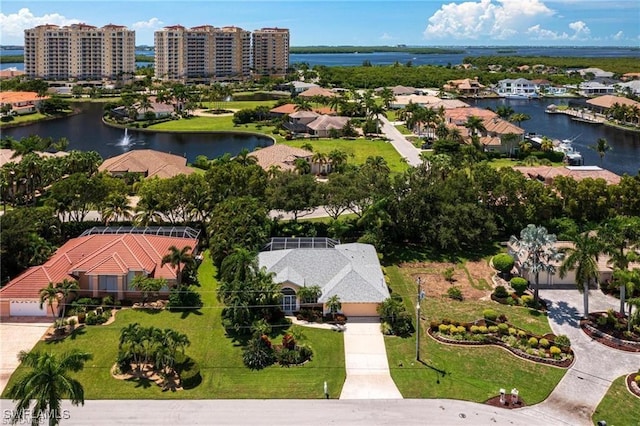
(21, 102)
(103, 261)
(148, 163)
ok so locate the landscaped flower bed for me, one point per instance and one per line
(612, 329)
(633, 383)
(548, 349)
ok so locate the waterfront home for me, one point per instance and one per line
(350, 271)
(516, 88)
(547, 174)
(21, 102)
(400, 90)
(9, 155)
(594, 73)
(148, 163)
(288, 109)
(427, 101)
(103, 261)
(10, 73)
(464, 87)
(495, 128)
(602, 104)
(632, 87)
(593, 88)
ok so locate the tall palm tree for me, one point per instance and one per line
(537, 249)
(245, 158)
(519, 118)
(334, 305)
(387, 96)
(583, 258)
(601, 147)
(177, 257)
(475, 125)
(239, 265)
(47, 382)
(65, 289)
(116, 207)
(504, 111)
(49, 294)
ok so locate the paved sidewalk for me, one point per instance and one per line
(580, 391)
(368, 375)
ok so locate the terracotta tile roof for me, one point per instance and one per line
(148, 162)
(99, 254)
(318, 91)
(548, 173)
(280, 155)
(326, 122)
(607, 101)
(304, 114)
(460, 115)
(291, 108)
(6, 155)
(501, 127)
(17, 97)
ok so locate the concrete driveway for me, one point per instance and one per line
(366, 362)
(15, 337)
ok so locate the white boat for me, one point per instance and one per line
(519, 95)
(571, 156)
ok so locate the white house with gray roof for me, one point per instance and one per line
(351, 271)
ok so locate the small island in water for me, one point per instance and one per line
(373, 49)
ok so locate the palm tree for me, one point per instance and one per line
(387, 96)
(245, 158)
(504, 111)
(334, 305)
(302, 166)
(337, 158)
(239, 265)
(65, 289)
(475, 125)
(177, 257)
(48, 382)
(302, 104)
(519, 118)
(537, 247)
(546, 144)
(601, 147)
(116, 207)
(583, 258)
(49, 294)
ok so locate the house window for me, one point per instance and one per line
(288, 299)
(108, 283)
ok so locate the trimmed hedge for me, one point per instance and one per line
(503, 262)
(519, 285)
(188, 370)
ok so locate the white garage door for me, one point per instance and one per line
(27, 308)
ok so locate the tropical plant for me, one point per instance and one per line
(334, 305)
(49, 294)
(583, 259)
(310, 294)
(536, 248)
(147, 285)
(601, 147)
(177, 257)
(47, 382)
(65, 289)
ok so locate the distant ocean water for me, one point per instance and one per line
(389, 58)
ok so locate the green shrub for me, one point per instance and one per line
(522, 333)
(184, 298)
(490, 314)
(527, 300)
(91, 319)
(512, 331)
(500, 292)
(533, 342)
(562, 341)
(554, 350)
(304, 353)
(544, 343)
(188, 370)
(483, 329)
(503, 262)
(286, 357)
(443, 328)
(258, 353)
(459, 329)
(503, 328)
(493, 329)
(519, 285)
(454, 293)
(637, 379)
(447, 274)
(386, 328)
(433, 324)
(474, 329)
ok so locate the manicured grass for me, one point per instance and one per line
(236, 105)
(358, 150)
(403, 129)
(27, 118)
(467, 373)
(220, 359)
(618, 407)
(507, 162)
(211, 124)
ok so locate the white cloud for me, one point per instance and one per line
(14, 24)
(580, 28)
(618, 36)
(152, 23)
(386, 36)
(499, 19)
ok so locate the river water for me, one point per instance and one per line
(86, 132)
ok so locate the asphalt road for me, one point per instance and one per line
(302, 412)
(400, 143)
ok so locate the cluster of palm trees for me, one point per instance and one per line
(58, 294)
(618, 238)
(625, 114)
(143, 346)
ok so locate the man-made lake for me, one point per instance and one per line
(86, 132)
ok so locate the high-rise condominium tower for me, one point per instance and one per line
(201, 53)
(79, 51)
(271, 51)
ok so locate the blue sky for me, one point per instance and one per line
(356, 22)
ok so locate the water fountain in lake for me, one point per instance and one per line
(126, 139)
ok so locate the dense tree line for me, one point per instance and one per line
(619, 65)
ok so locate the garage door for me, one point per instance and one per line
(27, 308)
(360, 309)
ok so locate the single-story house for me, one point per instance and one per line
(148, 163)
(428, 101)
(466, 87)
(288, 109)
(550, 280)
(103, 261)
(21, 102)
(318, 91)
(281, 156)
(547, 174)
(633, 86)
(296, 87)
(324, 124)
(11, 73)
(350, 271)
(399, 90)
(602, 103)
(590, 88)
(595, 72)
(8, 155)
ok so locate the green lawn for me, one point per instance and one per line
(21, 119)
(235, 105)
(358, 150)
(224, 374)
(618, 407)
(470, 373)
(211, 124)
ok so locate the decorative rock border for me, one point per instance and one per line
(632, 385)
(566, 363)
(608, 340)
